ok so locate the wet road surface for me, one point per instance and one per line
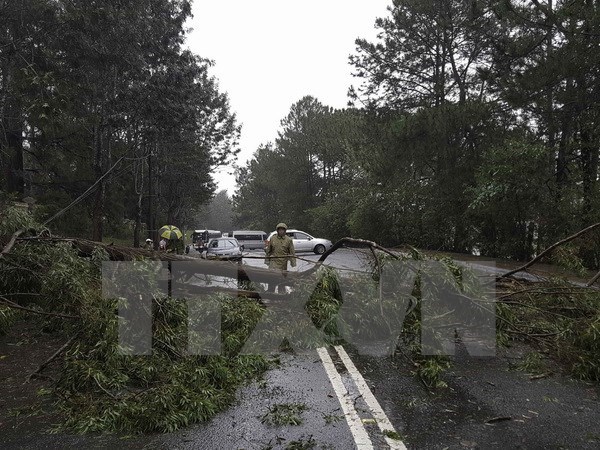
(488, 403)
(344, 400)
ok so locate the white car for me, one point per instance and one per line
(304, 242)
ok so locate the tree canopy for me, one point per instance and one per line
(474, 128)
(101, 99)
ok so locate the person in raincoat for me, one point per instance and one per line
(149, 245)
(280, 250)
(175, 246)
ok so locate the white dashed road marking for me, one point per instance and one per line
(361, 437)
(382, 420)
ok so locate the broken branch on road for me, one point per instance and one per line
(552, 247)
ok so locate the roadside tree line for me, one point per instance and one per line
(102, 99)
(475, 129)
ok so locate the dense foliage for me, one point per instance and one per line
(475, 129)
(101, 99)
(100, 388)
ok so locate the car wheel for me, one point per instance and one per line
(319, 249)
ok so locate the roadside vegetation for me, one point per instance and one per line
(560, 320)
(98, 388)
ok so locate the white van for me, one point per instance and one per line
(250, 239)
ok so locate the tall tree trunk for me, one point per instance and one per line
(13, 149)
(151, 220)
(589, 166)
(11, 137)
(564, 144)
(138, 180)
(588, 120)
(98, 214)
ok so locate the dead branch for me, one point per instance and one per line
(52, 358)
(104, 389)
(549, 249)
(540, 376)
(535, 308)
(14, 305)
(533, 292)
(170, 347)
(498, 419)
(8, 247)
(356, 243)
(593, 280)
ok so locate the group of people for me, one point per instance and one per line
(279, 250)
(166, 245)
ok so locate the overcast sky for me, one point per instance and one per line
(270, 53)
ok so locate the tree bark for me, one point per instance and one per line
(98, 214)
(138, 177)
(11, 140)
(151, 221)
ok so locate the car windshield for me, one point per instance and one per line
(223, 243)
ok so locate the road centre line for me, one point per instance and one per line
(382, 420)
(360, 435)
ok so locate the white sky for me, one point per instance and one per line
(268, 54)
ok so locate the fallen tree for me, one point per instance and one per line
(58, 280)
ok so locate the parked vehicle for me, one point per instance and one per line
(251, 240)
(224, 249)
(200, 238)
(304, 242)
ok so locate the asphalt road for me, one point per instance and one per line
(352, 400)
(487, 405)
(337, 398)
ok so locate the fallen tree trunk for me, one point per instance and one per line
(195, 266)
(263, 297)
(115, 252)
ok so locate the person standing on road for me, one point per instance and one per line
(280, 250)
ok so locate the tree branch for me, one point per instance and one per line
(52, 358)
(549, 249)
(593, 280)
(8, 247)
(14, 305)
